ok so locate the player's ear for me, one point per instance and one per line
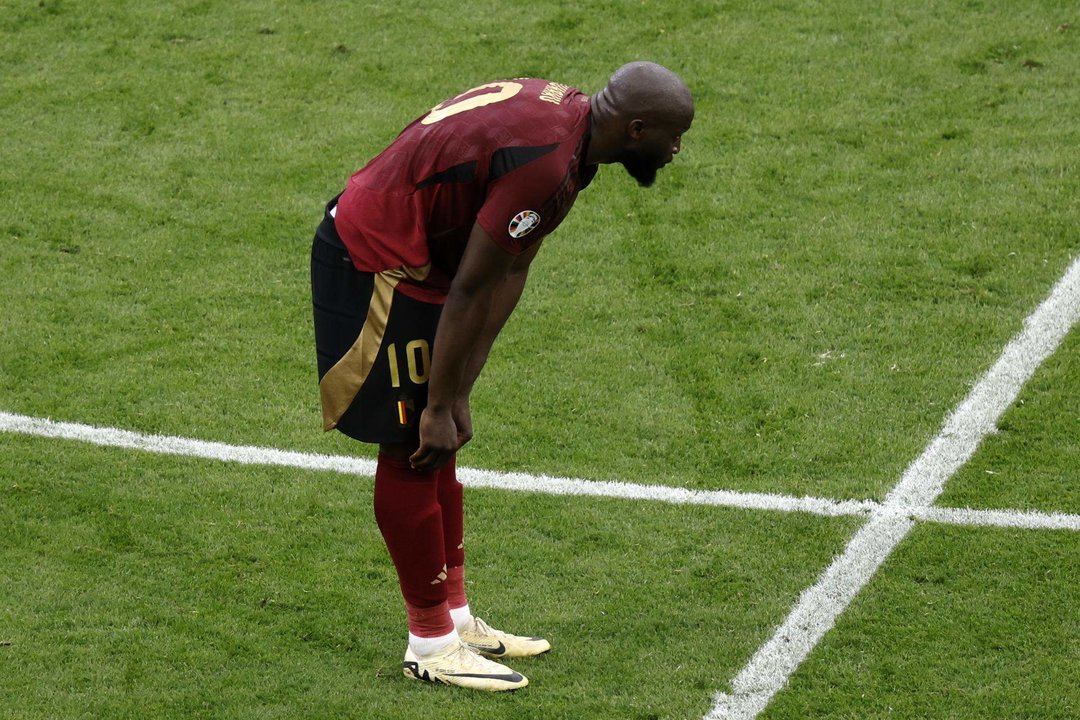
(635, 129)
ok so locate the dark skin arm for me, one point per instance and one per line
(482, 295)
(506, 299)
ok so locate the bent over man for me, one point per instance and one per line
(415, 268)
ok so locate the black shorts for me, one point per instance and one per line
(373, 345)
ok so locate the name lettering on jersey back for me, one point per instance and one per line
(554, 93)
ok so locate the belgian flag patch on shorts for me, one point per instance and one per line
(406, 409)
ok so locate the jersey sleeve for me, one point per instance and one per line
(514, 210)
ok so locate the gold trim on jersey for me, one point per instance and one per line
(341, 383)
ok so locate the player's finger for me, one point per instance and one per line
(420, 458)
(428, 458)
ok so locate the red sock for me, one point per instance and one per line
(451, 499)
(455, 588)
(410, 519)
(429, 622)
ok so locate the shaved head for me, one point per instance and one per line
(639, 119)
(645, 89)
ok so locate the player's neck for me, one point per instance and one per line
(601, 148)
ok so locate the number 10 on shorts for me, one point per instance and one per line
(417, 361)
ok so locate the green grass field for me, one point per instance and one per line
(870, 203)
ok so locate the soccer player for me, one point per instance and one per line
(415, 268)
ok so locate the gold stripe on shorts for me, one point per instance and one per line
(341, 383)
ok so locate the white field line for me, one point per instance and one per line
(819, 606)
(170, 445)
(523, 482)
(1027, 520)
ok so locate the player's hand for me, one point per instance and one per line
(463, 420)
(438, 440)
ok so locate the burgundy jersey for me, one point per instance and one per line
(507, 155)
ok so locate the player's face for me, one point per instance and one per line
(653, 147)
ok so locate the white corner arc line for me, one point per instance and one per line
(819, 606)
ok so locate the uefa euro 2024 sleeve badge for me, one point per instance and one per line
(523, 223)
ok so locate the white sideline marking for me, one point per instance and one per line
(819, 606)
(169, 445)
(523, 482)
(1030, 520)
